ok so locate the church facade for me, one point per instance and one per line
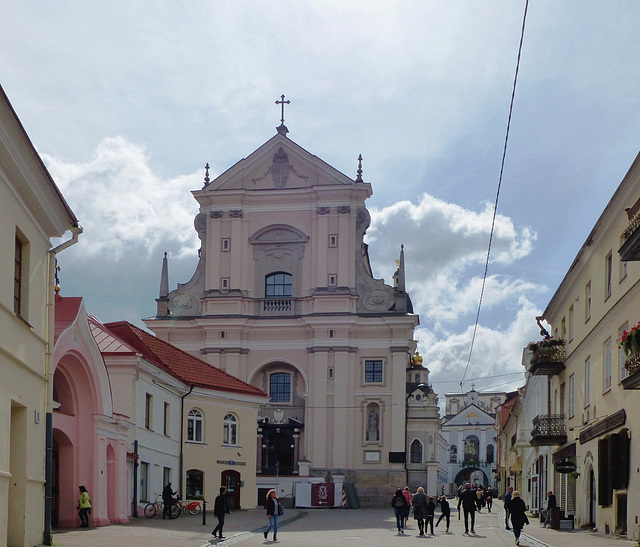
(284, 298)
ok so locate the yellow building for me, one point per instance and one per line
(32, 211)
(591, 417)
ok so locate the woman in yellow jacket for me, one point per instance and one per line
(84, 507)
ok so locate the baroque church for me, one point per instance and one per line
(284, 298)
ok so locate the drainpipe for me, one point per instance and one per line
(48, 403)
(181, 482)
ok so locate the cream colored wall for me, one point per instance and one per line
(204, 456)
(608, 315)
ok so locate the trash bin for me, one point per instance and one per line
(555, 518)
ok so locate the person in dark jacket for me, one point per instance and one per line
(446, 511)
(431, 511)
(399, 504)
(420, 509)
(468, 501)
(273, 512)
(488, 497)
(518, 515)
(551, 505)
(220, 508)
(167, 500)
(507, 506)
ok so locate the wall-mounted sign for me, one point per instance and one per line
(230, 462)
(565, 466)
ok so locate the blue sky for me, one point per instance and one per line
(126, 102)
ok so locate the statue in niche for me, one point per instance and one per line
(372, 430)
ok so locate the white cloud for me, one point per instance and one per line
(123, 206)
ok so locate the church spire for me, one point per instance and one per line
(163, 297)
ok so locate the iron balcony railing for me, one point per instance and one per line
(549, 429)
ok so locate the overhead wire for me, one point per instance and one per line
(495, 208)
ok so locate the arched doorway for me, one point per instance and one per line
(592, 497)
(64, 487)
(278, 453)
(231, 480)
(473, 475)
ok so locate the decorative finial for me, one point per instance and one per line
(282, 129)
(207, 180)
(359, 177)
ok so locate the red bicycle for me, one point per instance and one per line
(194, 507)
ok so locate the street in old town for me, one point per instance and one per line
(366, 527)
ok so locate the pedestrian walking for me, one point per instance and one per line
(409, 497)
(167, 500)
(468, 501)
(488, 496)
(479, 497)
(274, 511)
(518, 515)
(84, 507)
(446, 511)
(220, 509)
(551, 505)
(431, 511)
(420, 509)
(507, 505)
(399, 504)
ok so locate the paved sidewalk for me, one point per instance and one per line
(319, 527)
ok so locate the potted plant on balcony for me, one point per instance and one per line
(549, 349)
(629, 341)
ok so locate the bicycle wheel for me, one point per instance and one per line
(176, 510)
(150, 510)
(195, 510)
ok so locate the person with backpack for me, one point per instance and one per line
(400, 505)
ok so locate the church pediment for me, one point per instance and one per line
(278, 234)
(277, 164)
(470, 415)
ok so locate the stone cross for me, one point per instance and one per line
(283, 102)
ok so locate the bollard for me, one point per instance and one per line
(204, 512)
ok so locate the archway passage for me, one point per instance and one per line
(472, 475)
(278, 452)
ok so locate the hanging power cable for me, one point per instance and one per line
(495, 208)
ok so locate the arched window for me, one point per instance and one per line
(195, 484)
(280, 387)
(471, 448)
(453, 454)
(489, 453)
(194, 426)
(277, 285)
(230, 430)
(416, 452)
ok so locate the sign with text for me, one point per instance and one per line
(322, 494)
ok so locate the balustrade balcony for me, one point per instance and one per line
(630, 249)
(549, 430)
(547, 358)
(632, 381)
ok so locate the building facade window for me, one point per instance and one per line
(572, 393)
(571, 324)
(230, 434)
(587, 302)
(166, 475)
(453, 454)
(280, 387)
(608, 267)
(144, 482)
(415, 455)
(148, 411)
(194, 426)
(165, 428)
(333, 240)
(278, 284)
(490, 453)
(606, 378)
(17, 277)
(587, 381)
(195, 484)
(225, 244)
(471, 448)
(373, 371)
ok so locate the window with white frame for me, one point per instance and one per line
(587, 301)
(572, 395)
(225, 244)
(194, 426)
(333, 240)
(622, 359)
(144, 482)
(278, 284)
(148, 411)
(571, 324)
(167, 414)
(373, 371)
(606, 372)
(587, 381)
(230, 430)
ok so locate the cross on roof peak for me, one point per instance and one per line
(283, 128)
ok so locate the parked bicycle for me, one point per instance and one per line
(194, 507)
(156, 506)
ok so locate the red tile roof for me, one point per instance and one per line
(180, 364)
